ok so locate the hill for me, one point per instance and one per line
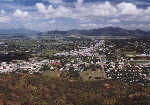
(106, 31)
(16, 31)
(24, 89)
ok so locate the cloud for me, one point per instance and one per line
(92, 15)
(51, 21)
(89, 25)
(103, 9)
(51, 12)
(20, 13)
(4, 19)
(79, 3)
(77, 14)
(128, 9)
(2, 12)
(55, 1)
(41, 7)
(115, 21)
(7, 0)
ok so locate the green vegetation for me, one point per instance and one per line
(91, 75)
(139, 61)
(26, 89)
(51, 74)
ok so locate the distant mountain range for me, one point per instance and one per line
(107, 31)
(19, 31)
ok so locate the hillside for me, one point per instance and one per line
(107, 31)
(18, 31)
(18, 89)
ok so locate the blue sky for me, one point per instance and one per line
(43, 15)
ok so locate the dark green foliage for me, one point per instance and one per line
(74, 74)
(45, 68)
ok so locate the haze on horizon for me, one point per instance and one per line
(46, 15)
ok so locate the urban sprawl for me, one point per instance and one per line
(127, 60)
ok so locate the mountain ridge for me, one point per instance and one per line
(16, 31)
(106, 31)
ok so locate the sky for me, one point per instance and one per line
(44, 15)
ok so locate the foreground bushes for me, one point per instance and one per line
(26, 89)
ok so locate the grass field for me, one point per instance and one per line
(86, 74)
(51, 74)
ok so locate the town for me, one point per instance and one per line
(127, 60)
(74, 52)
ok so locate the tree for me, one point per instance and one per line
(44, 68)
(73, 73)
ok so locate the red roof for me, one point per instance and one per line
(57, 63)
